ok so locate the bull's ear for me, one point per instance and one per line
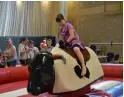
(33, 62)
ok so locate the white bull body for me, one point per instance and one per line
(66, 79)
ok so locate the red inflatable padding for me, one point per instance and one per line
(109, 78)
(13, 86)
(13, 74)
(113, 70)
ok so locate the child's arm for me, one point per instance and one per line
(71, 32)
(61, 38)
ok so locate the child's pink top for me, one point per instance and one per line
(64, 32)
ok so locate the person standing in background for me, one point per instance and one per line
(43, 45)
(33, 50)
(49, 45)
(23, 51)
(10, 53)
(59, 39)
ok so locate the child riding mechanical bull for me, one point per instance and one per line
(69, 69)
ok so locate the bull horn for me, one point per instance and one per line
(57, 56)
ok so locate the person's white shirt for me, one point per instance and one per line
(22, 52)
(33, 51)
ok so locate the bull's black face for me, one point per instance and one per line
(41, 78)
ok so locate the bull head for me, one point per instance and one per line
(41, 73)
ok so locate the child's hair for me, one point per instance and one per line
(9, 39)
(23, 39)
(31, 41)
(59, 18)
(49, 40)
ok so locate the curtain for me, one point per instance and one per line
(30, 18)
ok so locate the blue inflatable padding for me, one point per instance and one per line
(116, 91)
(121, 95)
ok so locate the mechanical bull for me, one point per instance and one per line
(60, 71)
